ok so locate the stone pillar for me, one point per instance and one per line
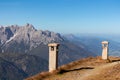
(53, 56)
(105, 50)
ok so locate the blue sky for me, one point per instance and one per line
(63, 16)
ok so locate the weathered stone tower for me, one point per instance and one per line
(105, 50)
(53, 56)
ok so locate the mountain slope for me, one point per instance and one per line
(29, 64)
(8, 71)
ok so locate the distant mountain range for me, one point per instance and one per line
(93, 43)
(26, 48)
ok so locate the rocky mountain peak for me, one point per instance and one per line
(27, 28)
(26, 37)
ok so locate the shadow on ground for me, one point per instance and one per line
(115, 60)
(64, 71)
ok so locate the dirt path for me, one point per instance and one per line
(96, 71)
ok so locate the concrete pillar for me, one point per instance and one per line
(53, 56)
(105, 50)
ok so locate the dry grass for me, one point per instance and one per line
(83, 64)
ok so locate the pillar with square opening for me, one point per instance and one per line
(105, 50)
(53, 56)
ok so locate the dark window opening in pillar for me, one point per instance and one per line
(52, 48)
(105, 45)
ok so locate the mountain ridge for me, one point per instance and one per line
(27, 34)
